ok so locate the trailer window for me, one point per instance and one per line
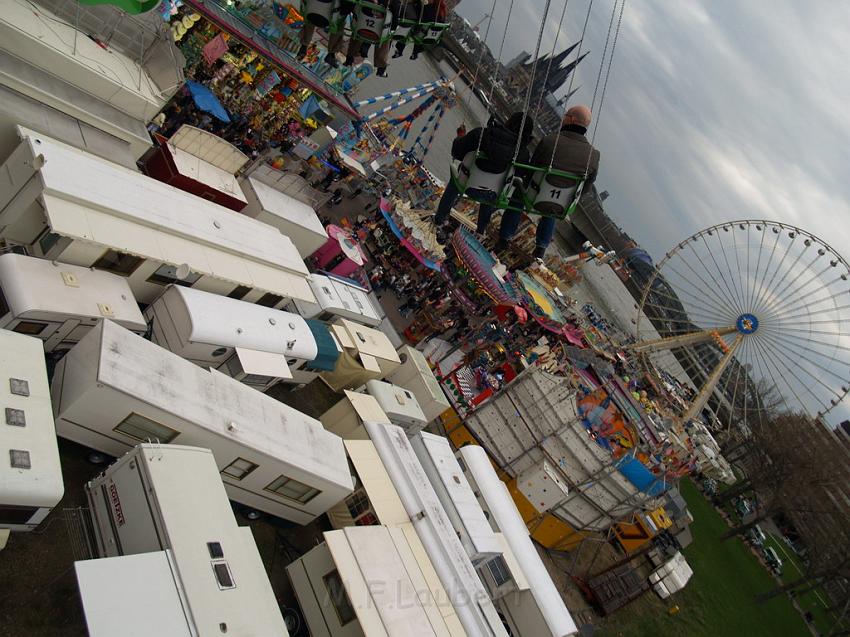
(144, 429)
(239, 468)
(47, 241)
(222, 574)
(499, 571)
(269, 300)
(357, 503)
(12, 514)
(166, 274)
(293, 489)
(339, 598)
(239, 292)
(33, 328)
(118, 262)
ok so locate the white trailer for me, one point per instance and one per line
(30, 474)
(346, 418)
(382, 402)
(365, 581)
(471, 601)
(533, 608)
(376, 502)
(338, 298)
(415, 374)
(59, 303)
(294, 218)
(458, 500)
(173, 560)
(399, 404)
(115, 389)
(256, 345)
(67, 205)
(367, 354)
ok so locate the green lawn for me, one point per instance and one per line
(813, 601)
(719, 599)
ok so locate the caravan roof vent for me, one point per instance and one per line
(216, 552)
(20, 459)
(19, 387)
(15, 417)
(70, 279)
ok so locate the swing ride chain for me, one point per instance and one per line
(493, 84)
(570, 89)
(533, 72)
(551, 56)
(608, 71)
(481, 55)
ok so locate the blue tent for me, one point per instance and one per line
(641, 477)
(207, 101)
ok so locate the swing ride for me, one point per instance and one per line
(374, 23)
(545, 190)
(753, 313)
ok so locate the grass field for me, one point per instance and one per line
(719, 599)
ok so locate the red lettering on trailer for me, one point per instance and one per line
(116, 504)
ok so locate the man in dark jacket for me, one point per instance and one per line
(572, 153)
(498, 143)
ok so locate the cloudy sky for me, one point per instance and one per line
(714, 111)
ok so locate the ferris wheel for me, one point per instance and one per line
(747, 318)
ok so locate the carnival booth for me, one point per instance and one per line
(198, 162)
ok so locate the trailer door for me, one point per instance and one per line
(126, 513)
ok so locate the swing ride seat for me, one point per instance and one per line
(430, 33)
(417, 32)
(477, 184)
(371, 23)
(551, 192)
(321, 13)
(404, 30)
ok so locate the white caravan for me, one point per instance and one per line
(30, 474)
(382, 402)
(471, 601)
(367, 354)
(415, 374)
(59, 303)
(523, 591)
(459, 501)
(115, 389)
(67, 205)
(294, 218)
(346, 418)
(338, 298)
(366, 581)
(256, 345)
(173, 561)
